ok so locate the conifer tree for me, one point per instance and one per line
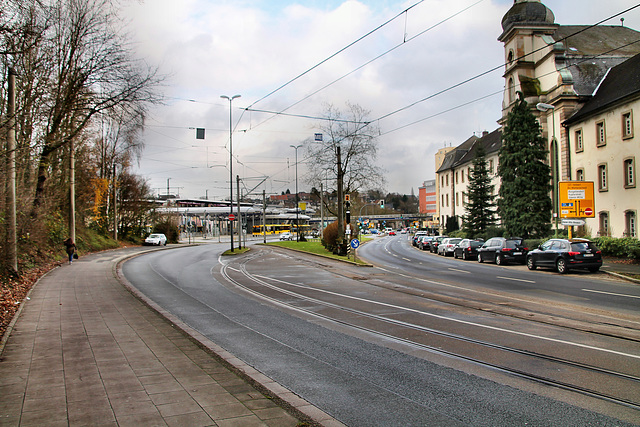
(524, 202)
(480, 208)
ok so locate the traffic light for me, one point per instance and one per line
(382, 204)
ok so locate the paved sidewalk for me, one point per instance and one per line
(86, 351)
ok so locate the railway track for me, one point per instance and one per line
(577, 366)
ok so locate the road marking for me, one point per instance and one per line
(460, 271)
(406, 259)
(424, 313)
(517, 280)
(611, 293)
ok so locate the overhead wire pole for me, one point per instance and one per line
(295, 147)
(12, 244)
(231, 163)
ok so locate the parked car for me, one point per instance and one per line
(433, 247)
(414, 241)
(467, 249)
(156, 239)
(424, 242)
(565, 255)
(447, 245)
(392, 233)
(503, 251)
(286, 236)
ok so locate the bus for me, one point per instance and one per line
(271, 229)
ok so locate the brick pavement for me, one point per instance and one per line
(86, 351)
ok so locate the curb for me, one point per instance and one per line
(284, 397)
(621, 276)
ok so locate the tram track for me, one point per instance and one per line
(320, 303)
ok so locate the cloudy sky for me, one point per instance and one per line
(209, 48)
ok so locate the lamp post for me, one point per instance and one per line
(230, 159)
(295, 147)
(554, 159)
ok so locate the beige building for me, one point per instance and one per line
(585, 92)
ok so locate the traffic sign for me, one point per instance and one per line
(573, 222)
(232, 217)
(355, 243)
(576, 199)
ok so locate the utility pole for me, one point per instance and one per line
(340, 201)
(12, 244)
(72, 190)
(321, 210)
(264, 217)
(115, 203)
(239, 217)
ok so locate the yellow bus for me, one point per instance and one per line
(271, 229)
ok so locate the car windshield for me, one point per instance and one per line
(155, 236)
(511, 244)
(475, 244)
(455, 240)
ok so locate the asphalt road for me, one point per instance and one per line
(356, 374)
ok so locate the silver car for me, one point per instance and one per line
(156, 239)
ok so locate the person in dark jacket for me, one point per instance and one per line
(70, 248)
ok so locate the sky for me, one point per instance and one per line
(417, 62)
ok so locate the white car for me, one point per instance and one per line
(156, 239)
(286, 236)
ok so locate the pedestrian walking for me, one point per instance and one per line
(70, 248)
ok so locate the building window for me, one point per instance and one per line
(511, 90)
(447, 178)
(629, 173)
(457, 199)
(627, 125)
(630, 222)
(462, 175)
(443, 200)
(604, 224)
(602, 177)
(456, 177)
(601, 135)
(491, 166)
(447, 200)
(580, 175)
(579, 145)
(510, 57)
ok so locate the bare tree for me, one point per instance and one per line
(91, 70)
(357, 138)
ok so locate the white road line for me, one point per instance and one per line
(437, 316)
(611, 293)
(518, 280)
(459, 271)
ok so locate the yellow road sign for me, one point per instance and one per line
(577, 199)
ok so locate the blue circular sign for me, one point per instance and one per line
(355, 243)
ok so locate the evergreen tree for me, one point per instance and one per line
(524, 202)
(481, 199)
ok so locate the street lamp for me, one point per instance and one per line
(230, 160)
(554, 159)
(295, 147)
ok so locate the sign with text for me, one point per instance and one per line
(576, 199)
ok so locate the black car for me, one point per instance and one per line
(433, 245)
(565, 255)
(424, 242)
(467, 249)
(502, 250)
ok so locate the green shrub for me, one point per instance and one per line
(626, 247)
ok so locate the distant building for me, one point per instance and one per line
(427, 198)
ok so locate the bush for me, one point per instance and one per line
(626, 247)
(330, 238)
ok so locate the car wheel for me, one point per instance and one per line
(455, 255)
(530, 264)
(594, 269)
(500, 260)
(480, 258)
(561, 266)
